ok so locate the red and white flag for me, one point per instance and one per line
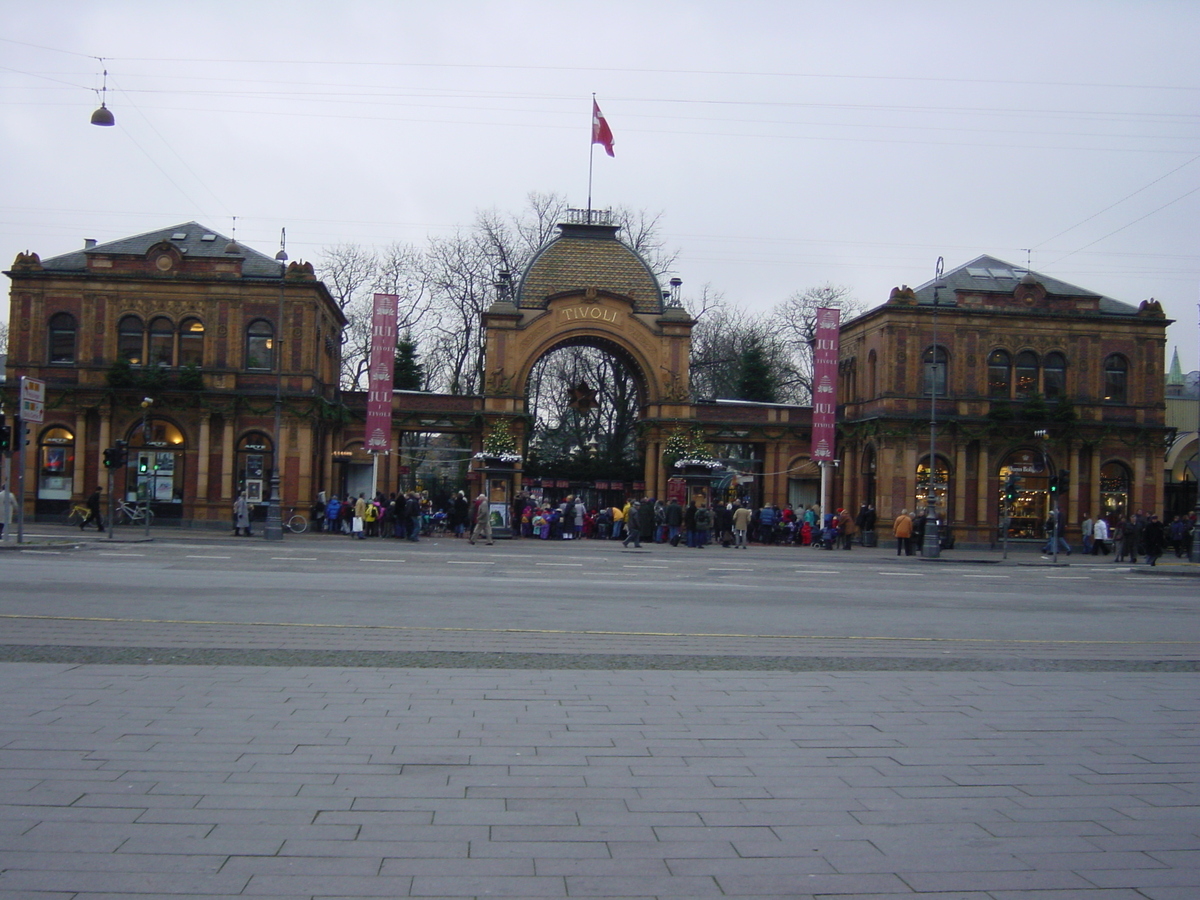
(601, 133)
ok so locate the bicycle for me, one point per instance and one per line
(295, 523)
(131, 515)
(78, 514)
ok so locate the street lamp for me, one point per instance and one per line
(274, 527)
(147, 402)
(931, 546)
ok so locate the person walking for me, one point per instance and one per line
(1087, 529)
(1155, 538)
(8, 508)
(241, 515)
(483, 520)
(1100, 536)
(902, 527)
(741, 523)
(847, 528)
(633, 525)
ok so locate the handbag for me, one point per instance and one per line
(357, 524)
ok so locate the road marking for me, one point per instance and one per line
(987, 576)
(120, 555)
(296, 558)
(822, 571)
(366, 559)
(727, 569)
(644, 567)
(910, 574)
(208, 557)
(1070, 577)
(464, 562)
(580, 565)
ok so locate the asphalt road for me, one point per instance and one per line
(333, 593)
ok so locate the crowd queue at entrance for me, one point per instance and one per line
(412, 515)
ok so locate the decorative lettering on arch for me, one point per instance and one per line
(588, 313)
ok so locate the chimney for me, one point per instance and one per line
(89, 243)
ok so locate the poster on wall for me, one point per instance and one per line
(253, 491)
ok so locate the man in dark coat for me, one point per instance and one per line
(674, 521)
(93, 505)
(633, 526)
(646, 522)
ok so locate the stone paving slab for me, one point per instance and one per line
(325, 782)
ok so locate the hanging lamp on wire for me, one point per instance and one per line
(103, 116)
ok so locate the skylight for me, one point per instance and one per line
(1002, 273)
(179, 236)
(208, 237)
(977, 272)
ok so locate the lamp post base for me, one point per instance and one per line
(274, 526)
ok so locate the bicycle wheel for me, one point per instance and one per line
(73, 517)
(297, 524)
(122, 516)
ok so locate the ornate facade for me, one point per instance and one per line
(180, 342)
(1003, 355)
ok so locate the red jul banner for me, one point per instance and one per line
(381, 373)
(824, 389)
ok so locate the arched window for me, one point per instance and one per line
(56, 470)
(939, 487)
(1054, 376)
(1114, 489)
(130, 332)
(260, 343)
(156, 457)
(999, 374)
(1116, 376)
(62, 338)
(162, 342)
(1027, 374)
(191, 343)
(934, 363)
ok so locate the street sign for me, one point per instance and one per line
(33, 399)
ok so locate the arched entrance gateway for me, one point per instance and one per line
(587, 288)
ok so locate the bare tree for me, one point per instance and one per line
(722, 339)
(795, 319)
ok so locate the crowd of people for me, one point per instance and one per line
(1140, 536)
(411, 515)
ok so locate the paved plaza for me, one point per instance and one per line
(554, 766)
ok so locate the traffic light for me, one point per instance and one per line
(110, 458)
(1010, 489)
(143, 464)
(120, 454)
(5, 438)
(1053, 485)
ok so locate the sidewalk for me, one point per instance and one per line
(1027, 554)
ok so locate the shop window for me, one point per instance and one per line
(1030, 505)
(1116, 375)
(1026, 372)
(191, 343)
(255, 460)
(940, 487)
(1114, 489)
(934, 361)
(162, 342)
(156, 456)
(61, 338)
(260, 344)
(56, 458)
(130, 333)
(1054, 376)
(999, 375)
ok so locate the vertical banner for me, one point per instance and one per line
(381, 373)
(824, 389)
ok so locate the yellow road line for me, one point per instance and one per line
(567, 631)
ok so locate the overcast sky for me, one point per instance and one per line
(786, 144)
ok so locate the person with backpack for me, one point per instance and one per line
(704, 524)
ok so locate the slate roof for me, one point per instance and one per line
(189, 238)
(589, 256)
(990, 275)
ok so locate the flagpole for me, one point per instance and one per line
(591, 157)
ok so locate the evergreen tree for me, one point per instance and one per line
(408, 373)
(756, 381)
